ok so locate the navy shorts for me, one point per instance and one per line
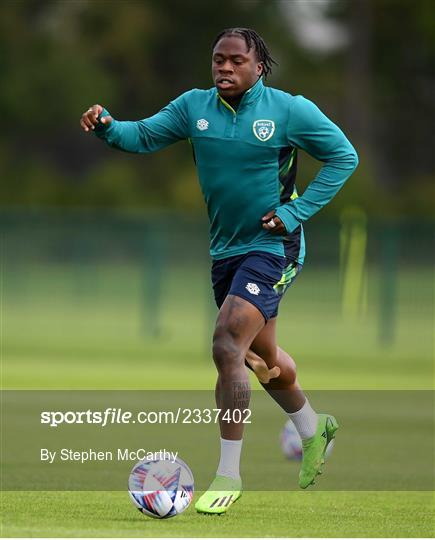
(260, 278)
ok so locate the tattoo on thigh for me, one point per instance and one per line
(237, 316)
(234, 305)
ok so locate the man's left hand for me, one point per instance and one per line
(273, 224)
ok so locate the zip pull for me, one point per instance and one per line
(233, 129)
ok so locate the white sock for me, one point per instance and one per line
(305, 421)
(230, 458)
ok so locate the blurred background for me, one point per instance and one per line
(105, 266)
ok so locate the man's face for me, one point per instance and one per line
(234, 68)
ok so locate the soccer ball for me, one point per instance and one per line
(263, 132)
(291, 443)
(161, 489)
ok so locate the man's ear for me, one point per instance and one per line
(260, 69)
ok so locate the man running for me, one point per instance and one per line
(245, 137)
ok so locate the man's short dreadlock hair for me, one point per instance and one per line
(252, 39)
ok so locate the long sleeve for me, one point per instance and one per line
(310, 130)
(151, 134)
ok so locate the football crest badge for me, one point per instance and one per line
(263, 129)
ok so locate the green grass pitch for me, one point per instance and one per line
(77, 328)
(257, 514)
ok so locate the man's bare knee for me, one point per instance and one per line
(227, 354)
(237, 325)
(260, 368)
(287, 376)
(287, 367)
(277, 367)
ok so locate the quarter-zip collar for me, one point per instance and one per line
(250, 96)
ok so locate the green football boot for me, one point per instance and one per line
(313, 456)
(222, 493)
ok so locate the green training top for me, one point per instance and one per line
(244, 158)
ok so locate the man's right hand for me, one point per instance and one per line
(90, 118)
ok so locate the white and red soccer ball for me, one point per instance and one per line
(161, 489)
